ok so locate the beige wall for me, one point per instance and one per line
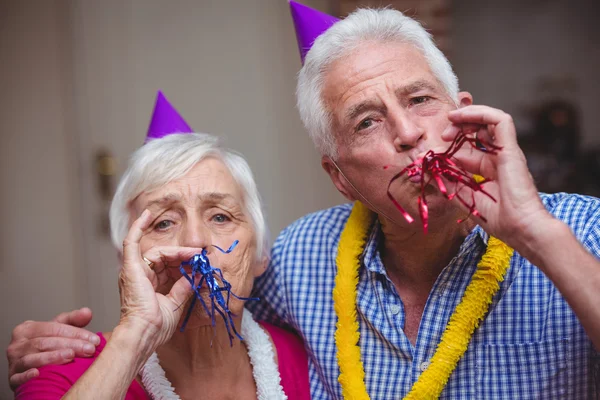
(38, 201)
(79, 75)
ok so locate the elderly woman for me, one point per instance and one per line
(181, 194)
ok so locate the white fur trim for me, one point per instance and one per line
(262, 357)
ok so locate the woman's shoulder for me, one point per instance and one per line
(292, 360)
(74, 369)
(285, 340)
(54, 381)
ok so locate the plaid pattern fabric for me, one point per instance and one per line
(530, 346)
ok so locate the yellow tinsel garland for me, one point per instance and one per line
(455, 340)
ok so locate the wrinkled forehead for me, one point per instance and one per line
(372, 67)
(210, 180)
(371, 59)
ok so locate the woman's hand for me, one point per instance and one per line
(518, 210)
(155, 315)
(148, 318)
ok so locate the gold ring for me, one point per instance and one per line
(150, 263)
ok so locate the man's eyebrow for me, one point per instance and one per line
(368, 105)
(414, 87)
(360, 108)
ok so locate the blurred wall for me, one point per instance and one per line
(39, 246)
(513, 54)
(79, 76)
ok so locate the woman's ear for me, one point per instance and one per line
(260, 266)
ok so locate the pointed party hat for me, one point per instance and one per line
(309, 24)
(165, 120)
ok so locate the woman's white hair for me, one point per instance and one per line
(163, 160)
(363, 25)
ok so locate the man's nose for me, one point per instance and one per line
(407, 133)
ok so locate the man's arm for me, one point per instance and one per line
(518, 217)
(552, 247)
(36, 343)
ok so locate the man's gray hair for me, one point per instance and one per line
(363, 25)
(161, 161)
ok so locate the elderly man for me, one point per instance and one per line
(454, 312)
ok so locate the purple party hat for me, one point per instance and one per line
(165, 120)
(309, 24)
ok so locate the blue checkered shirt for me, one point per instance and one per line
(530, 345)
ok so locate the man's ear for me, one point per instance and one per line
(464, 99)
(337, 178)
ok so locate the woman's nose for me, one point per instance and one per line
(195, 234)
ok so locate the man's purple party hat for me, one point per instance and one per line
(165, 120)
(309, 24)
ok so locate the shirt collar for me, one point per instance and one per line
(477, 238)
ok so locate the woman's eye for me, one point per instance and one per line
(366, 123)
(220, 218)
(162, 225)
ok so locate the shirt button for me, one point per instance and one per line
(423, 366)
(395, 308)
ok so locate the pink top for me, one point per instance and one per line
(56, 380)
(292, 360)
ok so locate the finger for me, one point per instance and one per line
(484, 136)
(504, 130)
(471, 160)
(467, 157)
(34, 329)
(162, 258)
(81, 348)
(481, 115)
(19, 379)
(170, 256)
(180, 293)
(56, 357)
(79, 318)
(470, 128)
(453, 129)
(131, 244)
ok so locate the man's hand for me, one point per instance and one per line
(35, 344)
(519, 218)
(518, 211)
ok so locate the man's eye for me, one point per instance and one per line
(220, 218)
(420, 99)
(366, 123)
(162, 225)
